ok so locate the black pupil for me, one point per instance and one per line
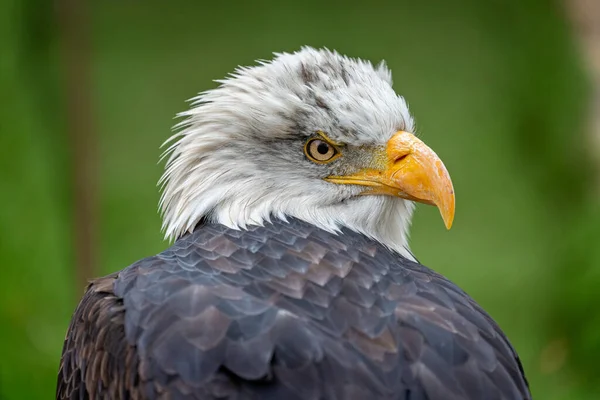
(323, 148)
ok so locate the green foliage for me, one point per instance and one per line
(496, 89)
(576, 293)
(35, 294)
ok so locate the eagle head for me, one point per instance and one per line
(312, 135)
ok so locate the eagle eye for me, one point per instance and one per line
(320, 151)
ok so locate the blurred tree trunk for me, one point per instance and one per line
(575, 325)
(74, 28)
(585, 17)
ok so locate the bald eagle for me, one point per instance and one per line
(288, 191)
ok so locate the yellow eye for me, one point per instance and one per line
(320, 151)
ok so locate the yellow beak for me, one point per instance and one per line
(408, 169)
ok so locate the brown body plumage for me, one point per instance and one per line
(287, 311)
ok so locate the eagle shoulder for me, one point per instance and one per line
(97, 361)
(283, 311)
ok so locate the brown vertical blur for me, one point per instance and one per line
(74, 26)
(585, 17)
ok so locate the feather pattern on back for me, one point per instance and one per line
(283, 311)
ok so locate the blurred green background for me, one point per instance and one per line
(497, 88)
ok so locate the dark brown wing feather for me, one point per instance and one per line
(285, 311)
(97, 361)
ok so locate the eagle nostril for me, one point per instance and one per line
(400, 158)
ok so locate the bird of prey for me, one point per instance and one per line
(288, 192)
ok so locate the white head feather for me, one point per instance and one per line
(238, 157)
